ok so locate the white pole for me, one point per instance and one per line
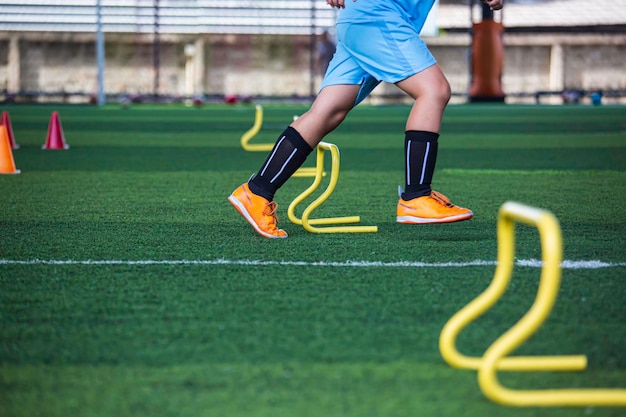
(100, 55)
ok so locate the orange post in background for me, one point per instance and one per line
(487, 59)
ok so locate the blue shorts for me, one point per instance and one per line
(368, 53)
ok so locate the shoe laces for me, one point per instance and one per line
(441, 199)
(270, 211)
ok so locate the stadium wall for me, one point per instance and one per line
(48, 65)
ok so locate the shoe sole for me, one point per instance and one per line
(242, 210)
(421, 220)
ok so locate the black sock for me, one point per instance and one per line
(289, 153)
(420, 152)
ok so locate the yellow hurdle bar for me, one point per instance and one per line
(308, 223)
(252, 132)
(476, 308)
(495, 357)
(260, 147)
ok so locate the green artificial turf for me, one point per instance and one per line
(130, 287)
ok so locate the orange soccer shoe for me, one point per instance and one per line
(259, 212)
(433, 208)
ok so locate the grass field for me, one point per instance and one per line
(130, 287)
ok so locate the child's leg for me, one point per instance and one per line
(254, 200)
(431, 92)
(294, 145)
(419, 203)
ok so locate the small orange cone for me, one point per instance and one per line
(7, 164)
(6, 122)
(55, 139)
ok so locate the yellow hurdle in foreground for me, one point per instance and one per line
(308, 223)
(261, 147)
(495, 358)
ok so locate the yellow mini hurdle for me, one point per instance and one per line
(495, 358)
(265, 147)
(309, 223)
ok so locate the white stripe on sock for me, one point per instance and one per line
(425, 161)
(408, 165)
(269, 160)
(284, 165)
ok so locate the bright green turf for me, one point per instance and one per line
(150, 183)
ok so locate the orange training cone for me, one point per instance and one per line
(7, 164)
(6, 122)
(55, 139)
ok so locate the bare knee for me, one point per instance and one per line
(438, 92)
(445, 92)
(429, 85)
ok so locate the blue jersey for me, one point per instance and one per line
(363, 11)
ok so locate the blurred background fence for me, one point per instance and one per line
(169, 50)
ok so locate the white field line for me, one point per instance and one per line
(531, 263)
